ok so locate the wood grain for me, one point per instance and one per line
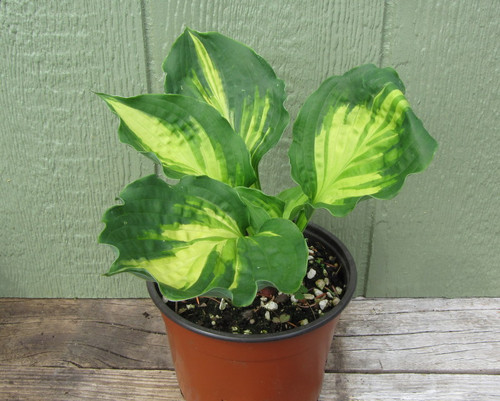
(374, 336)
(408, 349)
(83, 333)
(418, 335)
(56, 384)
(409, 387)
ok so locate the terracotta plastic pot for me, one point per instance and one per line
(285, 366)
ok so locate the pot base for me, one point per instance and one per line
(209, 369)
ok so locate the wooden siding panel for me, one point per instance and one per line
(61, 162)
(440, 236)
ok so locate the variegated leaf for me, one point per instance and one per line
(295, 200)
(357, 136)
(185, 135)
(233, 79)
(262, 207)
(191, 238)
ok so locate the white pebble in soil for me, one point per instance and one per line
(271, 305)
(311, 273)
(323, 304)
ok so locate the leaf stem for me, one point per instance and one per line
(304, 216)
(256, 184)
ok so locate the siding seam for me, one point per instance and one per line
(147, 61)
(384, 33)
(147, 50)
(373, 208)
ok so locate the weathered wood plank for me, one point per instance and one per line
(418, 335)
(390, 335)
(126, 333)
(410, 387)
(57, 384)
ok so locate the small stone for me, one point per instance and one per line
(252, 321)
(276, 320)
(310, 258)
(320, 283)
(271, 305)
(309, 296)
(323, 304)
(223, 304)
(267, 315)
(311, 273)
(338, 290)
(190, 306)
(327, 281)
(293, 299)
(303, 322)
(263, 299)
(284, 317)
(247, 331)
(214, 322)
(318, 293)
(336, 301)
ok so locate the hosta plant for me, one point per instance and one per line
(214, 232)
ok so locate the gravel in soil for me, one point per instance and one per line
(271, 311)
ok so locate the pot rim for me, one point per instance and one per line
(312, 231)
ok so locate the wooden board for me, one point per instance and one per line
(418, 335)
(119, 334)
(56, 384)
(387, 350)
(410, 387)
(391, 336)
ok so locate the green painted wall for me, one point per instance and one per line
(62, 164)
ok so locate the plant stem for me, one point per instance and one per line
(304, 217)
(256, 184)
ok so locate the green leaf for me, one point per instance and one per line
(234, 80)
(191, 239)
(262, 207)
(355, 137)
(185, 135)
(295, 200)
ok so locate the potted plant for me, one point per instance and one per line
(215, 235)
